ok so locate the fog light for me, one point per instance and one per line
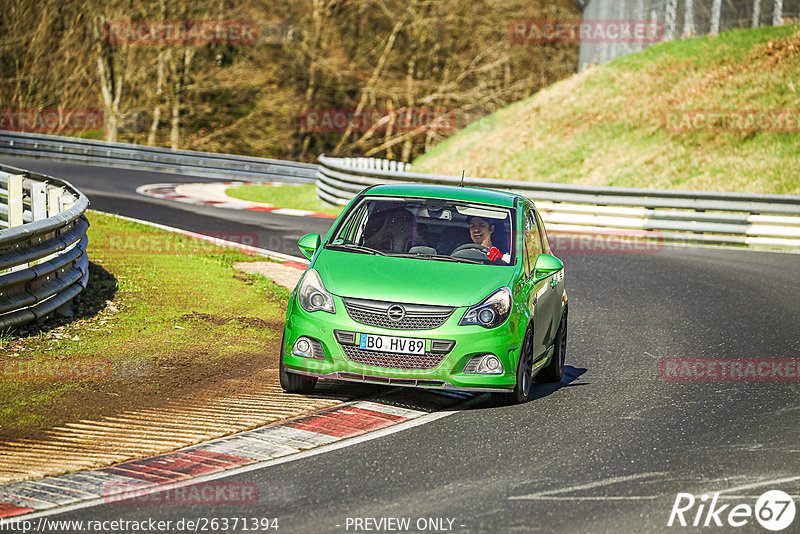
(490, 365)
(302, 347)
(484, 364)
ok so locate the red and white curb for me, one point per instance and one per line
(213, 194)
(324, 430)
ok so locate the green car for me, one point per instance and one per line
(429, 286)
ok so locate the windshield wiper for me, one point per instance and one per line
(434, 257)
(355, 248)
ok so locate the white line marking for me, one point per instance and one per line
(589, 498)
(552, 495)
(753, 497)
(291, 211)
(759, 484)
(589, 485)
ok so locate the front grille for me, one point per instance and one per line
(417, 316)
(392, 361)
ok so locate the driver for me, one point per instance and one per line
(480, 230)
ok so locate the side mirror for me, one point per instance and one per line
(308, 244)
(545, 266)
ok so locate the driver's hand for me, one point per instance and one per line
(494, 254)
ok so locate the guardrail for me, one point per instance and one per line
(43, 260)
(664, 215)
(142, 157)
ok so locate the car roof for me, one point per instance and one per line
(447, 192)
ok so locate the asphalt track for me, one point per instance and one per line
(607, 450)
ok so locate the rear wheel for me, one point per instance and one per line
(522, 389)
(294, 383)
(555, 369)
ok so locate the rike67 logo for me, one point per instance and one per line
(774, 510)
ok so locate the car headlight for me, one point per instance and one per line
(312, 294)
(491, 312)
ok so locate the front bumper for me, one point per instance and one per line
(502, 341)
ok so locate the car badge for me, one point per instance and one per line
(396, 313)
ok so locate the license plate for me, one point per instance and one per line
(397, 345)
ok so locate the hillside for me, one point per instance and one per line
(634, 121)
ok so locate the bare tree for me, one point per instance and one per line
(180, 66)
(368, 90)
(399, 55)
(111, 76)
(164, 56)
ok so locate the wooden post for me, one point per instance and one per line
(688, 18)
(38, 200)
(777, 13)
(716, 8)
(756, 13)
(15, 206)
(53, 205)
(669, 20)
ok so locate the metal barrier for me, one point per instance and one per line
(142, 157)
(663, 215)
(43, 260)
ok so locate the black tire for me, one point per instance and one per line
(555, 369)
(294, 383)
(524, 385)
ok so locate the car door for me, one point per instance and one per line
(540, 296)
(555, 283)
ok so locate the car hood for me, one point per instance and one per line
(409, 280)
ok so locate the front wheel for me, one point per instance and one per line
(555, 369)
(522, 389)
(293, 383)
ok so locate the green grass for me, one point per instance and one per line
(607, 125)
(166, 311)
(303, 197)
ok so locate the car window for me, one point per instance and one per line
(526, 258)
(542, 232)
(532, 238)
(354, 225)
(419, 228)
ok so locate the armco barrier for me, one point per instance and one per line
(142, 157)
(43, 261)
(674, 216)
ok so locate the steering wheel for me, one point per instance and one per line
(466, 246)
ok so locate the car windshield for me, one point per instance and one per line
(428, 229)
